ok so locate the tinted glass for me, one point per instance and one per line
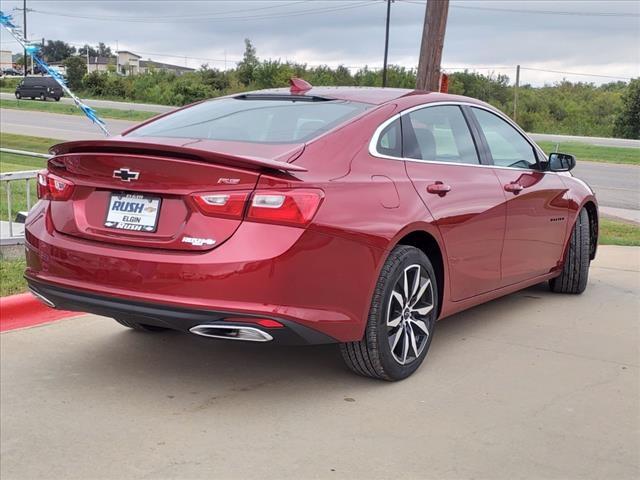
(255, 120)
(508, 148)
(389, 141)
(440, 134)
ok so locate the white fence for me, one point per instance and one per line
(12, 231)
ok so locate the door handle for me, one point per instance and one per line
(513, 187)
(438, 188)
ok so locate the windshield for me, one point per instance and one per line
(253, 120)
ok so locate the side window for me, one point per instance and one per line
(389, 141)
(508, 148)
(438, 133)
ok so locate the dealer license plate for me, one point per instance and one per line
(138, 213)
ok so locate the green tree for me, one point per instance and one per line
(57, 50)
(101, 50)
(246, 68)
(627, 123)
(76, 68)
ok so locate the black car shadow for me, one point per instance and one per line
(202, 363)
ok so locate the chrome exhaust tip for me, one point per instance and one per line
(232, 332)
(42, 298)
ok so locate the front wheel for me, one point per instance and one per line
(575, 271)
(18, 96)
(401, 319)
(43, 97)
(57, 99)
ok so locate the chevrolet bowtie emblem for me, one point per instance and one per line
(125, 174)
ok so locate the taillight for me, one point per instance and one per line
(222, 204)
(287, 207)
(290, 207)
(52, 187)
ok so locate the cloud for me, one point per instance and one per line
(479, 34)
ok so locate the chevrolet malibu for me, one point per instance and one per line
(356, 216)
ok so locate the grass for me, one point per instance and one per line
(11, 277)
(24, 142)
(595, 153)
(54, 107)
(613, 232)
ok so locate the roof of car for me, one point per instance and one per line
(371, 95)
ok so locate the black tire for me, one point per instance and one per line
(375, 356)
(57, 99)
(43, 97)
(575, 272)
(139, 326)
(18, 95)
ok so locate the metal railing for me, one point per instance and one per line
(12, 231)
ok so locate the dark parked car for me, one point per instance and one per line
(11, 72)
(39, 87)
(358, 216)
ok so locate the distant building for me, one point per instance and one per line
(131, 64)
(128, 63)
(100, 64)
(6, 60)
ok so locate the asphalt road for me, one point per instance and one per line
(54, 125)
(602, 141)
(533, 385)
(599, 141)
(145, 107)
(616, 186)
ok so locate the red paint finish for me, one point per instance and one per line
(315, 262)
(471, 220)
(536, 219)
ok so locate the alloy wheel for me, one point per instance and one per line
(408, 314)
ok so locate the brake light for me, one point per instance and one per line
(222, 204)
(289, 207)
(52, 187)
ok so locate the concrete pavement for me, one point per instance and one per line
(533, 385)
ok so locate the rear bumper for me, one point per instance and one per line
(320, 282)
(181, 319)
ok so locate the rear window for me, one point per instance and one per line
(253, 120)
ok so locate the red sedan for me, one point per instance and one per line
(357, 216)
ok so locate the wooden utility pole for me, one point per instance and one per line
(515, 94)
(435, 25)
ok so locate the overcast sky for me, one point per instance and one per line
(597, 37)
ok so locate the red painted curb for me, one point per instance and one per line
(24, 310)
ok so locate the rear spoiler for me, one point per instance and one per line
(177, 151)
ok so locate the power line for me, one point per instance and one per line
(537, 12)
(284, 3)
(217, 18)
(575, 73)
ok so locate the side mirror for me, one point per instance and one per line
(561, 162)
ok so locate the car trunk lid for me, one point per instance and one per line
(140, 193)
